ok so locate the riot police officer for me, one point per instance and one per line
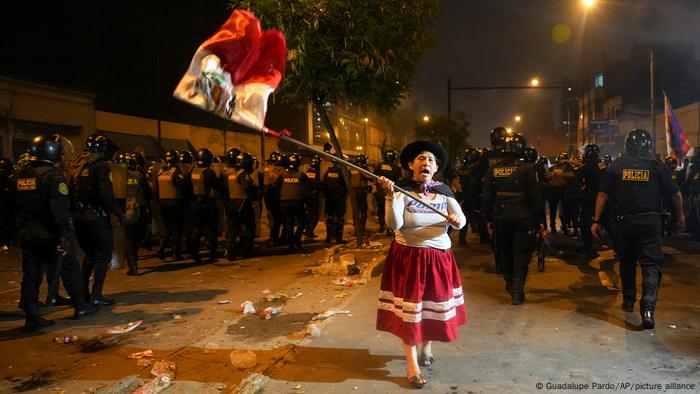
(588, 177)
(670, 225)
(513, 202)
(470, 196)
(45, 229)
(292, 191)
(558, 179)
(691, 188)
(138, 196)
(271, 172)
(313, 191)
(171, 185)
(390, 170)
(335, 190)
(635, 182)
(93, 201)
(204, 213)
(240, 190)
(359, 182)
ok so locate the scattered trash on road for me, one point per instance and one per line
(197, 273)
(672, 326)
(347, 282)
(341, 295)
(347, 259)
(164, 368)
(276, 297)
(144, 362)
(211, 347)
(69, 339)
(154, 386)
(353, 270)
(124, 328)
(176, 317)
(247, 307)
(367, 244)
(266, 291)
(329, 313)
(224, 302)
(145, 353)
(269, 311)
(299, 294)
(243, 359)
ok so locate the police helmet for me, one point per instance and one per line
(294, 161)
(497, 137)
(204, 157)
(315, 161)
(274, 156)
(696, 155)
(327, 147)
(607, 159)
(591, 151)
(530, 155)
(6, 165)
(232, 156)
(282, 161)
(132, 162)
(245, 161)
(119, 157)
(140, 160)
(361, 159)
(46, 149)
(97, 143)
(171, 157)
(389, 156)
(471, 155)
(543, 161)
(671, 163)
(638, 143)
(514, 143)
(186, 157)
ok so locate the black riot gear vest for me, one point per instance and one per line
(389, 171)
(357, 179)
(167, 189)
(292, 188)
(199, 186)
(509, 183)
(235, 189)
(84, 186)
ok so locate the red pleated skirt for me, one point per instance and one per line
(420, 297)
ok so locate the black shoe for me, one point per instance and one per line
(628, 305)
(99, 300)
(86, 309)
(33, 325)
(177, 257)
(58, 301)
(517, 298)
(196, 258)
(328, 240)
(133, 271)
(160, 254)
(648, 320)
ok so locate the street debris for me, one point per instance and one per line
(341, 295)
(347, 282)
(145, 353)
(329, 313)
(269, 311)
(66, 339)
(197, 273)
(672, 326)
(164, 368)
(312, 331)
(252, 384)
(367, 244)
(222, 302)
(353, 270)
(124, 328)
(211, 347)
(347, 259)
(144, 362)
(247, 307)
(154, 386)
(276, 297)
(243, 359)
(299, 294)
(176, 317)
(297, 387)
(266, 291)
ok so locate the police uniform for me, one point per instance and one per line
(6, 203)
(292, 190)
(93, 202)
(588, 177)
(358, 181)
(171, 187)
(512, 200)
(271, 198)
(392, 172)
(45, 232)
(138, 196)
(203, 210)
(635, 185)
(336, 191)
(313, 191)
(240, 217)
(559, 179)
(692, 191)
(468, 183)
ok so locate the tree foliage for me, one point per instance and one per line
(364, 51)
(451, 133)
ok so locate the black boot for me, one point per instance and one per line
(628, 303)
(98, 283)
(133, 268)
(83, 310)
(648, 319)
(58, 301)
(33, 320)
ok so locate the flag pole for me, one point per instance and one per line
(284, 136)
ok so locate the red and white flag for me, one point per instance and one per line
(233, 72)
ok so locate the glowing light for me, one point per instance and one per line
(426, 118)
(518, 118)
(508, 129)
(534, 82)
(561, 33)
(366, 120)
(588, 3)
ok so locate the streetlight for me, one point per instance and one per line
(534, 82)
(426, 118)
(517, 118)
(589, 3)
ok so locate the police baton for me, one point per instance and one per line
(284, 136)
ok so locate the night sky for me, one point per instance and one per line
(134, 52)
